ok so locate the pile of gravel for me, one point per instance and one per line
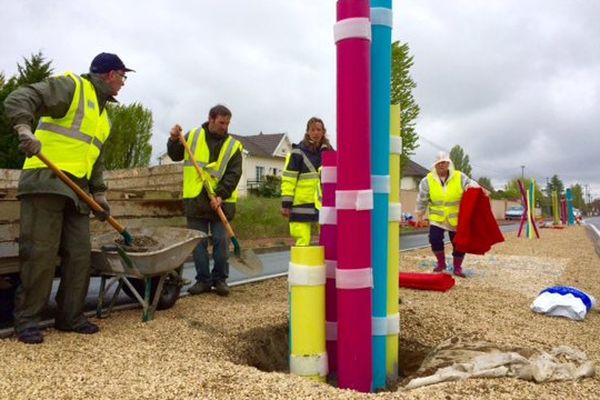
(236, 347)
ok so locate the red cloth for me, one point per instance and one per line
(417, 280)
(477, 228)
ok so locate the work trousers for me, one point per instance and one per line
(52, 226)
(436, 239)
(220, 251)
(301, 232)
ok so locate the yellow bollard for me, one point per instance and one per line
(306, 278)
(393, 248)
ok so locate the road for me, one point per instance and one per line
(274, 263)
(277, 263)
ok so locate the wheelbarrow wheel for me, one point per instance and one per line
(170, 291)
(8, 287)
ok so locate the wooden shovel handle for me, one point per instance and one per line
(80, 192)
(209, 191)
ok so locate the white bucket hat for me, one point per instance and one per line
(441, 156)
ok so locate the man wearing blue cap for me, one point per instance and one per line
(73, 126)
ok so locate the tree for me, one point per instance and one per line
(460, 160)
(128, 145)
(555, 184)
(512, 192)
(578, 200)
(401, 93)
(35, 69)
(485, 182)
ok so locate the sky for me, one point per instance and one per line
(515, 83)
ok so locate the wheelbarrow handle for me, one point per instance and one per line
(80, 192)
(209, 190)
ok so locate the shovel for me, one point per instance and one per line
(244, 261)
(128, 239)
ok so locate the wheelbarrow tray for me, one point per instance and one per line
(174, 247)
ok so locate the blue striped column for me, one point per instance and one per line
(381, 65)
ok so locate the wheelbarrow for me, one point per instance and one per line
(119, 265)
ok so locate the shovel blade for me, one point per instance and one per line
(247, 262)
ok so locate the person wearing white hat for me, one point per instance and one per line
(440, 193)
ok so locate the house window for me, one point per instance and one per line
(260, 172)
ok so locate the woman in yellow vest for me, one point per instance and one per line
(440, 193)
(300, 183)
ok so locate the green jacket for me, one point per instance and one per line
(199, 207)
(52, 97)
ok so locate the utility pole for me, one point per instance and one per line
(548, 196)
(522, 172)
(589, 201)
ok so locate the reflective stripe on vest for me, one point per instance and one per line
(74, 141)
(445, 200)
(300, 188)
(192, 184)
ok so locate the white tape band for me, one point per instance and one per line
(382, 16)
(306, 275)
(328, 174)
(395, 145)
(354, 199)
(330, 267)
(379, 326)
(309, 365)
(393, 327)
(352, 28)
(380, 183)
(327, 216)
(331, 330)
(395, 212)
(360, 278)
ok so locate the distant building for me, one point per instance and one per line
(412, 175)
(264, 154)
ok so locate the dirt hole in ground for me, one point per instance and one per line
(265, 348)
(410, 356)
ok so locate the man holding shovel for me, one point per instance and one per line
(219, 156)
(54, 221)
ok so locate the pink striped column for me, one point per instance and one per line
(354, 197)
(328, 239)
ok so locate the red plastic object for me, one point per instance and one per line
(423, 281)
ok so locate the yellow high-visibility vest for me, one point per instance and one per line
(213, 172)
(73, 142)
(445, 201)
(300, 188)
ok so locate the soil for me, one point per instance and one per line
(141, 244)
(210, 347)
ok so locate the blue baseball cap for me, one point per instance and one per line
(106, 62)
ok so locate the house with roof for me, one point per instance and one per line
(412, 175)
(264, 154)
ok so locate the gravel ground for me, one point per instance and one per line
(215, 348)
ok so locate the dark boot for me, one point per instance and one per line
(457, 262)
(199, 287)
(31, 336)
(222, 288)
(441, 261)
(87, 328)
